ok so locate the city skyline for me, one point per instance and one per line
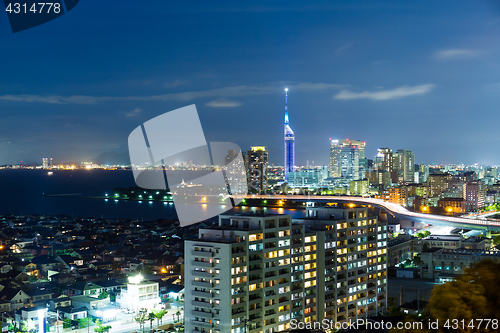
(152, 182)
(355, 71)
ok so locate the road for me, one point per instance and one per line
(479, 223)
(118, 327)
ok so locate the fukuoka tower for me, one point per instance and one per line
(289, 142)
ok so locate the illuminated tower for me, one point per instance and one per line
(289, 143)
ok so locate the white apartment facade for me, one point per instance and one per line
(139, 294)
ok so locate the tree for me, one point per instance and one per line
(84, 322)
(147, 270)
(159, 314)
(417, 259)
(473, 295)
(141, 319)
(103, 295)
(102, 328)
(151, 318)
(66, 323)
(178, 314)
(423, 234)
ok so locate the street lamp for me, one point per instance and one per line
(450, 210)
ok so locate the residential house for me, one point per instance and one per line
(84, 288)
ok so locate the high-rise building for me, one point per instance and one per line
(289, 143)
(45, 163)
(406, 165)
(261, 272)
(423, 173)
(397, 195)
(235, 173)
(474, 193)
(51, 163)
(385, 161)
(358, 187)
(258, 159)
(344, 159)
(379, 178)
(308, 177)
(438, 183)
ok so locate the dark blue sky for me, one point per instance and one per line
(418, 75)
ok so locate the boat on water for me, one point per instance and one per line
(50, 173)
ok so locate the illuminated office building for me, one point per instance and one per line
(289, 143)
(405, 163)
(344, 159)
(257, 272)
(45, 163)
(385, 161)
(258, 159)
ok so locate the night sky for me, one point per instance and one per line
(418, 75)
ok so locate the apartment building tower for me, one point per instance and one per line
(258, 272)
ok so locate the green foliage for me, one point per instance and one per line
(102, 328)
(147, 270)
(473, 295)
(422, 234)
(159, 315)
(103, 295)
(84, 322)
(66, 323)
(417, 259)
(151, 317)
(141, 318)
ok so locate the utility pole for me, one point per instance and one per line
(418, 302)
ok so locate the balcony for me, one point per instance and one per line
(201, 304)
(201, 284)
(202, 274)
(205, 254)
(198, 293)
(202, 324)
(237, 311)
(202, 314)
(201, 263)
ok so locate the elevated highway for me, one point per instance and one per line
(396, 211)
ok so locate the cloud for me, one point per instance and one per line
(174, 84)
(452, 54)
(134, 112)
(225, 92)
(399, 92)
(223, 103)
(342, 49)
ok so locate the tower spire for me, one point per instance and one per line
(286, 106)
